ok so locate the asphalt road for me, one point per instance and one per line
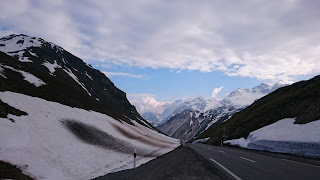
(243, 164)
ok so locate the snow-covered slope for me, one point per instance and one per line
(79, 125)
(284, 136)
(55, 141)
(244, 97)
(16, 45)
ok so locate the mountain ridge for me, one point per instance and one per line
(189, 122)
(300, 100)
(37, 54)
(239, 97)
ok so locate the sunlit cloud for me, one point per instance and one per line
(147, 103)
(266, 40)
(216, 91)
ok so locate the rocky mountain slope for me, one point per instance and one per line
(299, 102)
(197, 115)
(62, 119)
(174, 108)
(68, 79)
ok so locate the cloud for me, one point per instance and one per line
(146, 103)
(110, 74)
(216, 91)
(266, 40)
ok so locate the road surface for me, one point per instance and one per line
(180, 164)
(243, 164)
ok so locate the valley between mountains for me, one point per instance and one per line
(60, 118)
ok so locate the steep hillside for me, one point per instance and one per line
(300, 100)
(68, 79)
(54, 141)
(62, 119)
(188, 124)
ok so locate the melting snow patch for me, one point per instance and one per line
(191, 122)
(75, 78)
(21, 58)
(2, 72)
(284, 136)
(88, 76)
(24, 59)
(32, 79)
(200, 140)
(58, 48)
(51, 67)
(33, 54)
(64, 61)
(27, 76)
(89, 66)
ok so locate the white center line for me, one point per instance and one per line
(248, 159)
(221, 151)
(224, 168)
(300, 163)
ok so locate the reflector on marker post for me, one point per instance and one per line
(134, 158)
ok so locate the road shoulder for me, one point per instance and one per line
(182, 163)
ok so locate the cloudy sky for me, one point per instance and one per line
(160, 51)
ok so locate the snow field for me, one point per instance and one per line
(45, 149)
(284, 136)
(51, 67)
(11, 44)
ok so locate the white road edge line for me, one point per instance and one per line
(301, 163)
(221, 151)
(224, 168)
(248, 159)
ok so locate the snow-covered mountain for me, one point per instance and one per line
(196, 115)
(153, 118)
(238, 98)
(197, 103)
(286, 120)
(244, 97)
(174, 108)
(53, 60)
(62, 119)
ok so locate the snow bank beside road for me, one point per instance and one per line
(45, 148)
(284, 136)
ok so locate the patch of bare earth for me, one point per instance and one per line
(142, 138)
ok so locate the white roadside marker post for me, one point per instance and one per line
(134, 158)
